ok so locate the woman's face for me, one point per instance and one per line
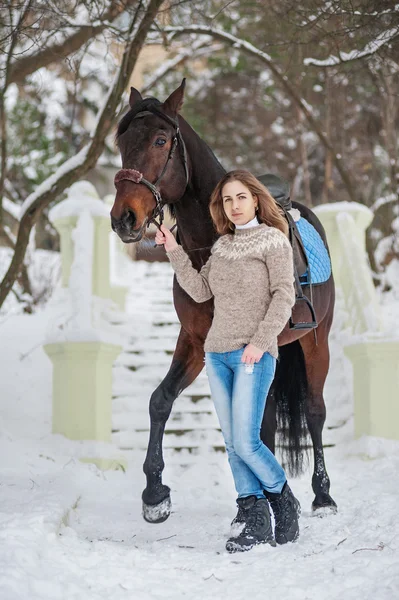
(238, 202)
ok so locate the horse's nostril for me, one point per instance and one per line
(129, 218)
(113, 223)
(125, 223)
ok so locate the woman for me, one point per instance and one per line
(250, 276)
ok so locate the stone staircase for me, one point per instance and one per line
(150, 329)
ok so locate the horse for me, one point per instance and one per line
(166, 164)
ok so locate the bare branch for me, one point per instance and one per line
(3, 127)
(196, 50)
(76, 167)
(369, 50)
(282, 79)
(49, 54)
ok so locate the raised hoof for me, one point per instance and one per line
(157, 513)
(324, 509)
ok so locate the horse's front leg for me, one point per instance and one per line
(187, 363)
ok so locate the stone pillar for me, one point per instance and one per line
(376, 387)
(328, 213)
(64, 216)
(374, 356)
(83, 351)
(82, 388)
(119, 263)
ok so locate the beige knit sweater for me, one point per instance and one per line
(250, 276)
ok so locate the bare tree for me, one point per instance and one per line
(77, 166)
(283, 82)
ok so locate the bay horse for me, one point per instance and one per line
(165, 163)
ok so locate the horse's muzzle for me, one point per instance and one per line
(124, 227)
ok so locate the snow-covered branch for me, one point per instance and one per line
(280, 78)
(75, 168)
(44, 56)
(198, 48)
(371, 48)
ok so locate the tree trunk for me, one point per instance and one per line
(73, 170)
(328, 181)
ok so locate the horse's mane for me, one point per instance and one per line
(129, 116)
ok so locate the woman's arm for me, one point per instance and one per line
(280, 265)
(193, 282)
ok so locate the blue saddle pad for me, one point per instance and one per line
(319, 261)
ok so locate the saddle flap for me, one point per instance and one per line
(279, 189)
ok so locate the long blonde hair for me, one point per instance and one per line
(268, 210)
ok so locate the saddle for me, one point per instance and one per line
(280, 190)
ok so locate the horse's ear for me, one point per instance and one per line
(175, 101)
(135, 97)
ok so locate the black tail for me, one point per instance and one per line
(290, 390)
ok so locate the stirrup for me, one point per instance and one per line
(304, 324)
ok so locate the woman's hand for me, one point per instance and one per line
(251, 354)
(166, 238)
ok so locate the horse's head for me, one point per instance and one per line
(154, 163)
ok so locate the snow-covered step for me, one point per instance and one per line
(151, 330)
(199, 438)
(182, 404)
(183, 421)
(153, 357)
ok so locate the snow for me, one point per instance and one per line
(74, 314)
(53, 92)
(219, 33)
(350, 207)
(46, 186)
(193, 51)
(372, 47)
(11, 97)
(80, 280)
(383, 200)
(11, 208)
(82, 196)
(69, 531)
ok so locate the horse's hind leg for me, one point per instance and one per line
(188, 361)
(317, 360)
(269, 424)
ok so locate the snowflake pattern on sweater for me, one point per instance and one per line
(238, 246)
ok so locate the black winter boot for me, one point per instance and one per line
(257, 525)
(286, 509)
(237, 524)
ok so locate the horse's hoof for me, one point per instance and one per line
(324, 510)
(157, 513)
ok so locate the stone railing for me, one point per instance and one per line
(373, 352)
(80, 342)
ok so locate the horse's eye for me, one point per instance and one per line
(160, 142)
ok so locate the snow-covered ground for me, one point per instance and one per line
(69, 531)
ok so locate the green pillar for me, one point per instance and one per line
(374, 357)
(83, 355)
(82, 388)
(375, 387)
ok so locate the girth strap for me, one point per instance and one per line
(295, 238)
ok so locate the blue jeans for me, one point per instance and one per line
(240, 400)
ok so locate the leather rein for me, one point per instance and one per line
(137, 177)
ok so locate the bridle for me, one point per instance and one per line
(137, 177)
